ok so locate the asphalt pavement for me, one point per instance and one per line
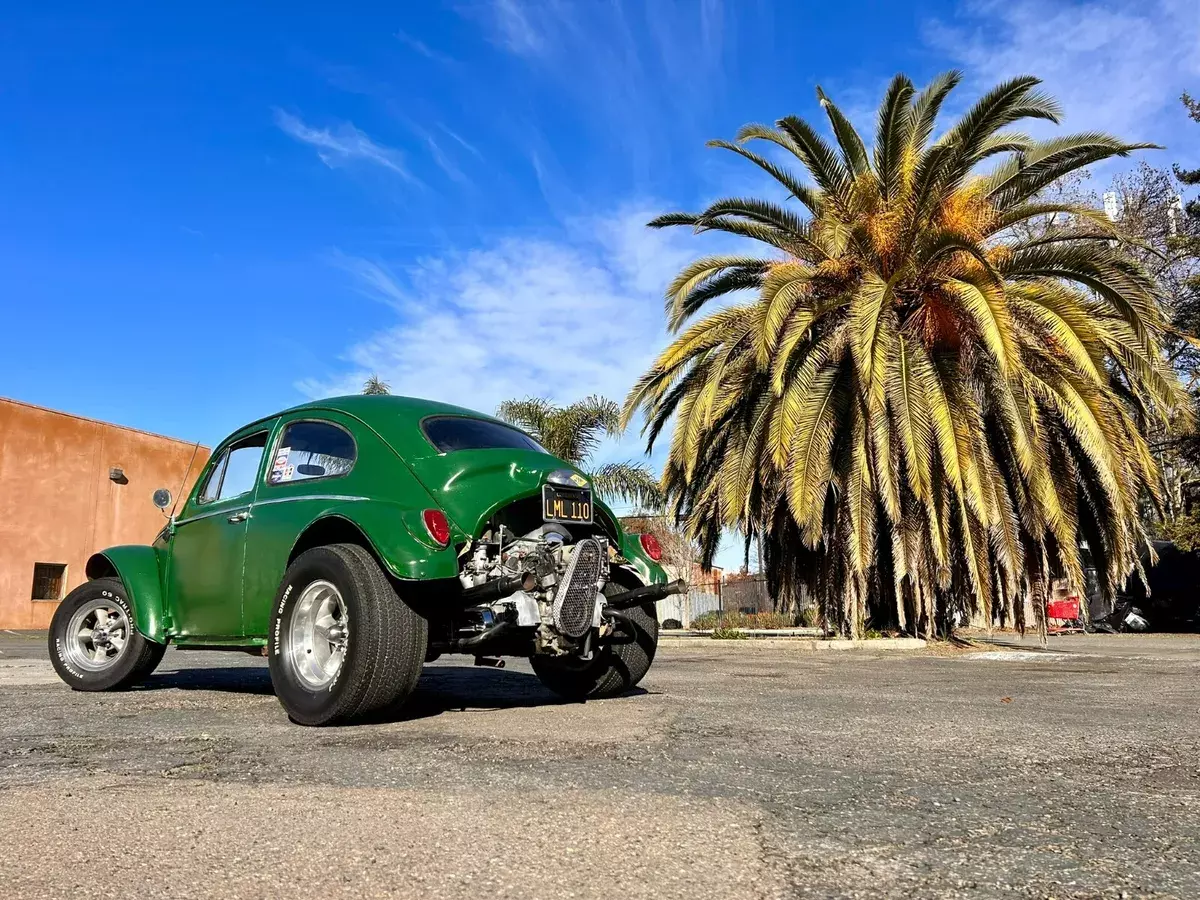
(734, 771)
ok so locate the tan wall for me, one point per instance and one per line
(58, 504)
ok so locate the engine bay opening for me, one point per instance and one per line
(532, 587)
(525, 515)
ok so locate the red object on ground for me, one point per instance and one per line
(1064, 615)
(1063, 609)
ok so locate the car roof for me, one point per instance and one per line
(397, 419)
(371, 407)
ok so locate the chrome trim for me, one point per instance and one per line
(298, 497)
(229, 510)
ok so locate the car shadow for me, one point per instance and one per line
(442, 688)
(231, 679)
(467, 689)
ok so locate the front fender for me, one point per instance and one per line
(138, 567)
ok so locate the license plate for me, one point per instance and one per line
(566, 504)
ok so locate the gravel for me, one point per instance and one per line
(768, 773)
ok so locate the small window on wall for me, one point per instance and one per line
(312, 450)
(49, 580)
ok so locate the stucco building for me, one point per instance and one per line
(70, 486)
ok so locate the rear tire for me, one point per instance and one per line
(614, 669)
(94, 643)
(342, 643)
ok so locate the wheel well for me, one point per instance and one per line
(100, 566)
(625, 578)
(332, 530)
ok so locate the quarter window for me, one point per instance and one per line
(235, 470)
(212, 484)
(312, 450)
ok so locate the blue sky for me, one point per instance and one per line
(204, 218)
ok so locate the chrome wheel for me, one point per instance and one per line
(318, 635)
(97, 635)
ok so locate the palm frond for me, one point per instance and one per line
(934, 385)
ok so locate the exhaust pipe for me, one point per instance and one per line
(646, 594)
(499, 630)
(498, 589)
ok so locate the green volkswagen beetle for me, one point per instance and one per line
(352, 540)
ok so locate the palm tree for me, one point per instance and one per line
(376, 385)
(921, 412)
(573, 433)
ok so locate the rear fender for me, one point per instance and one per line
(400, 540)
(647, 569)
(138, 568)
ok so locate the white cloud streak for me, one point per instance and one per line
(466, 145)
(1115, 65)
(523, 316)
(440, 157)
(642, 79)
(513, 29)
(343, 145)
(424, 49)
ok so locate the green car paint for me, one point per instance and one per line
(140, 569)
(211, 575)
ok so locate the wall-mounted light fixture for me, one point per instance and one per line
(117, 474)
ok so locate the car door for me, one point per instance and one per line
(309, 468)
(208, 548)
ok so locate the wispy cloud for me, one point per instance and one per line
(1116, 65)
(522, 316)
(439, 155)
(424, 49)
(343, 145)
(371, 279)
(511, 26)
(639, 78)
(461, 141)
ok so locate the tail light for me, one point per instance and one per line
(437, 525)
(651, 545)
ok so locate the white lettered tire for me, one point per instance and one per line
(94, 641)
(342, 642)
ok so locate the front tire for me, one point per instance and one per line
(614, 669)
(94, 644)
(342, 643)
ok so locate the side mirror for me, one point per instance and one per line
(162, 498)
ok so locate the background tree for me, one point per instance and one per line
(1149, 211)
(922, 409)
(680, 551)
(1180, 250)
(375, 385)
(574, 432)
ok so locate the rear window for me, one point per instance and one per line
(450, 433)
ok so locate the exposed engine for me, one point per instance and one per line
(543, 580)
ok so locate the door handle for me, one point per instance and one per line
(239, 517)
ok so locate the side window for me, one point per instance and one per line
(312, 450)
(236, 470)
